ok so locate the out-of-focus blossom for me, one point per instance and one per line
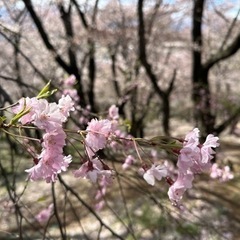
(45, 214)
(70, 81)
(113, 112)
(128, 161)
(223, 174)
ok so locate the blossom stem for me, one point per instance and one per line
(135, 145)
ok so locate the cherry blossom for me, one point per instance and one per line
(223, 175)
(98, 133)
(113, 112)
(66, 105)
(156, 171)
(92, 170)
(70, 81)
(48, 117)
(26, 104)
(48, 166)
(128, 161)
(206, 149)
(196, 157)
(45, 214)
(177, 189)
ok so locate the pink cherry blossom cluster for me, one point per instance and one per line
(194, 158)
(99, 133)
(223, 174)
(104, 183)
(68, 88)
(50, 118)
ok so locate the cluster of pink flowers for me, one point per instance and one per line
(104, 183)
(99, 132)
(50, 118)
(68, 88)
(223, 174)
(193, 158)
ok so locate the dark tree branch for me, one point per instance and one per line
(44, 36)
(28, 60)
(153, 17)
(197, 39)
(223, 54)
(70, 69)
(113, 52)
(6, 97)
(81, 14)
(172, 81)
(230, 30)
(220, 128)
(66, 20)
(142, 50)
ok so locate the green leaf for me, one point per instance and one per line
(45, 92)
(2, 119)
(42, 199)
(23, 112)
(19, 115)
(127, 124)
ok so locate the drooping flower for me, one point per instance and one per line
(98, 133)
(54, 141)
(196, 157)
(177, 189)
(66, 105)
(49, 166)
(156, 171)
(216, 172)
(223, 174)
(206, 149)
(48, 116)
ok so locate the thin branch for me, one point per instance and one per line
(44, 36)
(142, 50)
(230, 30)
(81, 14)
(68, 188)
(223, 54)
(56, 212)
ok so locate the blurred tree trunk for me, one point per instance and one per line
(164, 95)
(201, 93)
(71, 66)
